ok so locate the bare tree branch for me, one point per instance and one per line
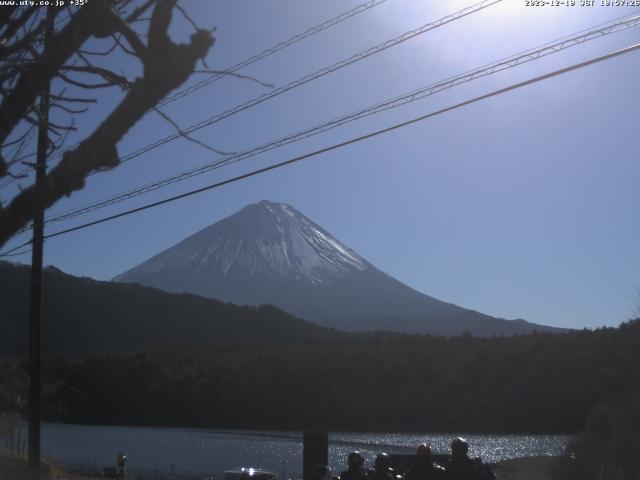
(123, 47)
(111, 77)
(187, 136)
(166, 66)
(61, 98)
(103, 53)
(139, 11)
(89, 86)
(89, 20)
(187, 17)
(71, 111)
(27, 39)
(236, 75)
(13, 26)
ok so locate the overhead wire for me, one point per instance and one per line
(363, 7)
(306, 79)
(351, 141)
(468, 76)
(312, 76)
(17, 254)
(343, 63)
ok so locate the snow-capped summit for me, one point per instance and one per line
(270, 253)
(263, 238)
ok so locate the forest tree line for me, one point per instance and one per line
(375, 381)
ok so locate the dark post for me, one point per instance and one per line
(35, 372)
(315, 451)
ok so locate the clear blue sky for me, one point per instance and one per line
(522, 206)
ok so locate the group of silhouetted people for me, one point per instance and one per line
(458, 466)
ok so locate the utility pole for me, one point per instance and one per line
(35, 362)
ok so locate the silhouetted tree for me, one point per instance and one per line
(27, 64)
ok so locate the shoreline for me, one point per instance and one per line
(523, 468)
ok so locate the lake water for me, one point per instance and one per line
(176, 453)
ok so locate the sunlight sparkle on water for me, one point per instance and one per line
(196, 453)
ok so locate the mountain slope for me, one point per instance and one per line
(269, 239)
(270, 253)
(84, 315)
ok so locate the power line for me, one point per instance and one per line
(276, 48)
(336, 146)
(488, 69)
(244, 63)
(306, 79)
(10, 252)
(17, 254)
(313, 76)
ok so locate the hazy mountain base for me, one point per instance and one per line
(81, 315)
(362, 301)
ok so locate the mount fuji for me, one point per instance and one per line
(270, 253)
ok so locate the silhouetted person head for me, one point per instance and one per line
(423, 454)
(424, 468)
(423, 450)
(382, 463)
(321, 472)
(355, 461)
(459, 448)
